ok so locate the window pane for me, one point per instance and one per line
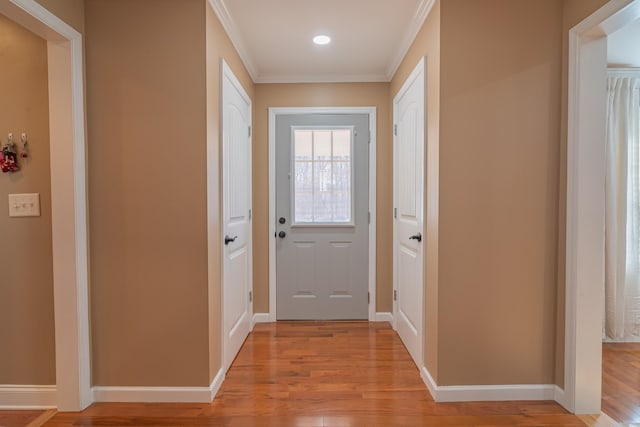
(303, 144)
(342, 145)
(322, 145)
(322, 176)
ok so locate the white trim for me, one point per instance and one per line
(412, 32)
(27, 397)
(560, 396)
(623, 72)
(215, 385)
(160, 394)
(429, 382)
(324, 78)
(384, 317)
(221, 11)
(273, 113)
(152, 394)
(585, 203)
(68, 198)
(488, 393)
(261, 318)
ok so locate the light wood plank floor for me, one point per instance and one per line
(621, 382)
(322, 374)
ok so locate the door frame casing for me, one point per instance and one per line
(585, 204)
(274, 112)
(68, 200)
(419, 69)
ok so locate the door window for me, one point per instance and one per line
(322, 180)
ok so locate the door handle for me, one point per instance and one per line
(282, 234)
(417, 237)
(228, 239)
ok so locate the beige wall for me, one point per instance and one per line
(427, 45)
(499, 162)
(218, 47)
(321, 95)
(146, 104)
(26, 294)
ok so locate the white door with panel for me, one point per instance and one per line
(236, 196)
(322, 203)
(409, 142)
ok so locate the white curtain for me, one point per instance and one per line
(622, 211)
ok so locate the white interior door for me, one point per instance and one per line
(409, 141)
(236, 189)
(322, 204)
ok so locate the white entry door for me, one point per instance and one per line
(409, 141)
(322, 211)
(236, 189)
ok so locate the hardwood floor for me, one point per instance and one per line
(312, 374)
(18, 418)
(621, 382)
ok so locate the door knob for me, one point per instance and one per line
(417, 237)
(282, 234)
(228, 239)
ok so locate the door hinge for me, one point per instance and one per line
(250, 296)
(249, 213)
(369, 217)
(249, 131)
(368, 297)
(395, 212)
(395, 130)
(395, 295)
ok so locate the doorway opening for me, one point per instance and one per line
(586, 182)
(68, 205)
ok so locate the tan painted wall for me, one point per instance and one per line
(499, 162)
(70, 11)
(218, 46)
(321, 95)
(427, 45)
(26, 293)
(574, 11)
(146, 103)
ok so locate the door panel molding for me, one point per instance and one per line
(273, 113)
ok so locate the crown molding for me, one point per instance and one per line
(323, 78)
(221, 11)
(412, 31)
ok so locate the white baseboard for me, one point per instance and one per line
(261, 318)
(384, 317)
(430, 382)
(560, 397)
(475, 393)
(216, 384)
(160, 394)
(27, 397)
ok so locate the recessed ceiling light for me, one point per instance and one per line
(322, 39)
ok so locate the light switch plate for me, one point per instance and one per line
(24, 205)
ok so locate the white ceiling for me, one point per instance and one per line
(369, 37)
(624, 46)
